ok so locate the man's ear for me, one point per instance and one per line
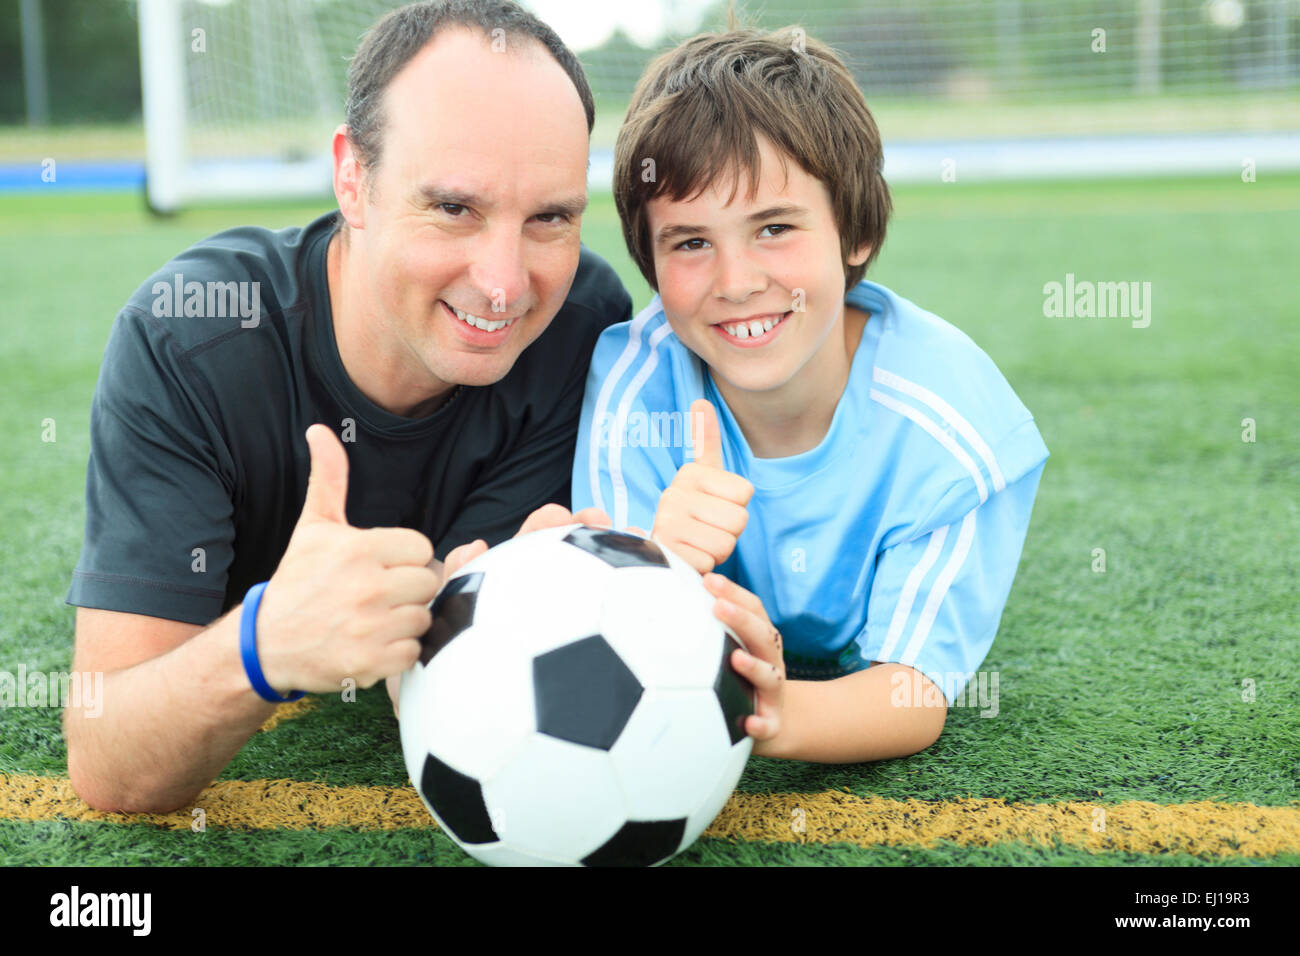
(349, 180)
(860, 254)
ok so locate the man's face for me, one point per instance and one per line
(476, 205)
(762, 260)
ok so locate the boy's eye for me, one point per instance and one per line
(782, 227)
(683, 245)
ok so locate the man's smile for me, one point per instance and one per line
(477, 323)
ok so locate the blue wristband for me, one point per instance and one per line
(248, 648)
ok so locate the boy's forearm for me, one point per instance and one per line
(855, 718)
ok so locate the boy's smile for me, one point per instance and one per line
(755, 287)
(753, 331)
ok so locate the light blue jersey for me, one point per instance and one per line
(896, 539)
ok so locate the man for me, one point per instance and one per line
(442, 328)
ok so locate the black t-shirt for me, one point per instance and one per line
(198, 462)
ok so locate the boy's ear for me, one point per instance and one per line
(860, 254)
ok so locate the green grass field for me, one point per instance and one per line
(1168, 678)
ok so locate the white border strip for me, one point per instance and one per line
(942, 437)
(948, 414)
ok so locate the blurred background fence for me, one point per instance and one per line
(261, 81)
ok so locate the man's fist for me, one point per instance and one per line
(344, 602)
(703, 512)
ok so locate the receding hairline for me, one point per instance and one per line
(529, 49)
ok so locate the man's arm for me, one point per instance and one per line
(176, 708)
(178, 705)
(855, 718)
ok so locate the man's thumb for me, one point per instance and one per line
(706, 436)
(327, 485)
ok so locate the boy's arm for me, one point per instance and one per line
(935, 605)
(862, 716)
(857, 718)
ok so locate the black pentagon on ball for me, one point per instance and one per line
(584, 692)
(458, 800)
(639, 843)
(735, 694)
(620, 549)
(453, 611)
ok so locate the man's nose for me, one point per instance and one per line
(737, 276)
(499, 271)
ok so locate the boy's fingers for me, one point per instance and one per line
(762, 674)
(755, 631)
(727, 516)
(720, 484)
(714, 542)
(593, 516)
(706, 436)
(693, 556)
(720, 585)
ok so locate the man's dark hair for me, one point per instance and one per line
(404, 32)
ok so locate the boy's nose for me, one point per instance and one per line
(737, 277)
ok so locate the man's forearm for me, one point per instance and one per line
(853, 719)
(168, 726)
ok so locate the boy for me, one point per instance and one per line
(862, 474)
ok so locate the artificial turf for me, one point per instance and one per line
(1167, 677)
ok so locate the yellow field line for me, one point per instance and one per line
(1204, 828)
(288, 711)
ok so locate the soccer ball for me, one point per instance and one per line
(575, 704)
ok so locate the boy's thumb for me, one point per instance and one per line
(706, 436)
(327, 485)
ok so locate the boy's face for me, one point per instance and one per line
(773, 260)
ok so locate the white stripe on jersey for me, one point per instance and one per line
(602, 402)
(940, 589)
(619, 517)
(904, 609)
(949, 414)
(939, 435)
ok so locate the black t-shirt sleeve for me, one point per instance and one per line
(540, 469)
(159, 516)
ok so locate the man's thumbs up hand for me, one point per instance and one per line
(703, 512)
(327, 483)
(344, 602)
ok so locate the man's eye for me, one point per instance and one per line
(552, 218)
(451, 208)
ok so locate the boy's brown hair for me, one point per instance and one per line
(696, 112)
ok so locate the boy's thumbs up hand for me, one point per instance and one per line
(703, 512)
(706, 435)
(344, 602)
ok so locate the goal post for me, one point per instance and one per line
(240, 98)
